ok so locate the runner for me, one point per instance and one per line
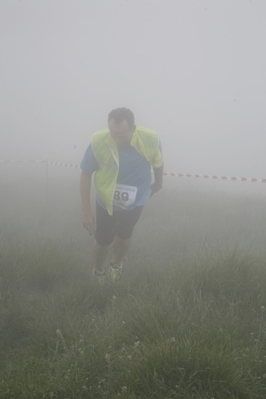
(121, 157)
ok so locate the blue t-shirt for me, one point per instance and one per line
(134, 170)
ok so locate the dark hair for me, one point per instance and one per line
(121, 114)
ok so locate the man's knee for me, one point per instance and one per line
(122, 242)
(97, 245)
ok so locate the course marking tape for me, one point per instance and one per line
(188, 175)
(214, 177)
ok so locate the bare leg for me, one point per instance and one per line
(100, 253)
(120, 248)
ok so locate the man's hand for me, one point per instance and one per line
(158, 180)
(155, 187)
(85, 188)
(88, 222)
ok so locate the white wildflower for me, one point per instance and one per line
(108, 357)
(124, 389)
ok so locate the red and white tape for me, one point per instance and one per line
(214, 177)
(62, 164)
(189, 175)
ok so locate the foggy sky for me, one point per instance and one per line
(194, 70)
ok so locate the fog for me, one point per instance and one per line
(195, 71)
(187, 318)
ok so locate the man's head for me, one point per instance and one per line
(121, 125)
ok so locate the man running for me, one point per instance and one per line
(121, 157)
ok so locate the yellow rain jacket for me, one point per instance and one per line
(145, 141)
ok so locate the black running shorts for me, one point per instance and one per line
(120, 224)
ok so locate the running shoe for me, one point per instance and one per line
(115, 271)
(99, 276)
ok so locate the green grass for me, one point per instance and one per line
(188, 319)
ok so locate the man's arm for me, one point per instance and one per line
(158, 180)
(85, 190)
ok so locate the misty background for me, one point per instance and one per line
(195, 71)
(190, 308)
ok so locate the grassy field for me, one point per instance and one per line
(187, 320)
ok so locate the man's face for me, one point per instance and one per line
(121, 132)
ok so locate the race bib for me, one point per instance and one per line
(124, 196)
